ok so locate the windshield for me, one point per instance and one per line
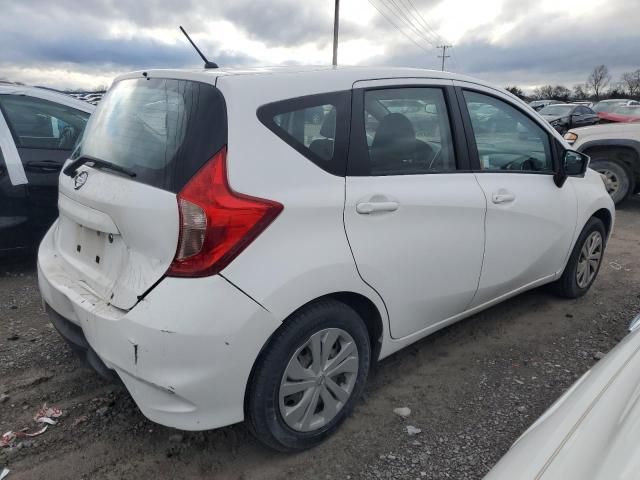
(163, 130)
(557, 110)
(607, 106)
(625, 110)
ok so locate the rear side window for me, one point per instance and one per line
(41, 124)
(162, 129)
(317, 126)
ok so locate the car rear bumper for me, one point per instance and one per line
(184, 352)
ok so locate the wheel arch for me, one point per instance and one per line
(364, 307)
(606, 217)
(629, 147)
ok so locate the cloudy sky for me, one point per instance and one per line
(85, 43)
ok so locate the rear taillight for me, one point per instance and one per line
(216, 223)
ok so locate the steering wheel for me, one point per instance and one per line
(67, 137)
(523, 162)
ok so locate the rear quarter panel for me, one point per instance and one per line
(304, 254)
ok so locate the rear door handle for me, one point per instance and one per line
(503, 197)
(371, 207)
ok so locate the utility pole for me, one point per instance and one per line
(336, 21)
(444, 55)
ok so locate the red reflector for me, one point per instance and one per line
(216, 223)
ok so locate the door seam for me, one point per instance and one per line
(484, 241)
(355, 263)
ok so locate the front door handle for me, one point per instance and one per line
(503, 197)
(46, 166)
(371, 207)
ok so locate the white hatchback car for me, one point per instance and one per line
(230, 257)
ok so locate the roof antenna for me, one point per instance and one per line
(207, 63)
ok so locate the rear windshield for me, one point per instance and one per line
(162, 129)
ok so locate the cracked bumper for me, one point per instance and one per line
(184, 352)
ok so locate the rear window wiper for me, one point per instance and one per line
(71, 169)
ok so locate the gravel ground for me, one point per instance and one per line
(472, 388)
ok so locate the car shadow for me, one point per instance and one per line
(18, 264)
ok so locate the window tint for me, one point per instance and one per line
(408, 131)
(38, 123)
(506, 138)
(309, 128)
(162, 129)
(317, 126)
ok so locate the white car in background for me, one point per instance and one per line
(229, 258)
(592, 431)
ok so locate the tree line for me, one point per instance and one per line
(598, 86)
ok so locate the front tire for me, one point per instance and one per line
(309, 377)
(585, 261)
(619, 181)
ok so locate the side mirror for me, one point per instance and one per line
(573, 164)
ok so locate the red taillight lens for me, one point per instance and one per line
(216, 223)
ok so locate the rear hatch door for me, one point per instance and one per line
(117, 233)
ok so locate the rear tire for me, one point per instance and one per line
(294, 398)
(582, 267)
(620, 182)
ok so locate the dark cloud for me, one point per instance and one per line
(539, 48)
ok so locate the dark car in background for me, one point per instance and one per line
(538, 105)
(566, 116)
(38, 130)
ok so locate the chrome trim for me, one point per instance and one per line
(635, 323)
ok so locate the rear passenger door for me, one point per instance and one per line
(414, 215)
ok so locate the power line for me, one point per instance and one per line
(425, 23)
(420, 23)
(432, 31)
(396, 26)
(403, 17)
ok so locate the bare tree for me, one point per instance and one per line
(580, 92)
(544, 92)
(631, 82)
(100, 88)
(517, 91)
(560, 92)
(598, 80)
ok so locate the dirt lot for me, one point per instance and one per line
(472, 388)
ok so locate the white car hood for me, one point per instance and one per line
(591, 433)
(609, 130)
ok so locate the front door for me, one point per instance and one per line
(414, 220)
(530, 222)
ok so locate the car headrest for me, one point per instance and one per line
(394, 128)
(328, 129)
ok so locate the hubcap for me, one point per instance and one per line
(611, 181)
(589, 259)
(318, 380)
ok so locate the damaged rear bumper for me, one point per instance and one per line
(75, 338)
(184, 352)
